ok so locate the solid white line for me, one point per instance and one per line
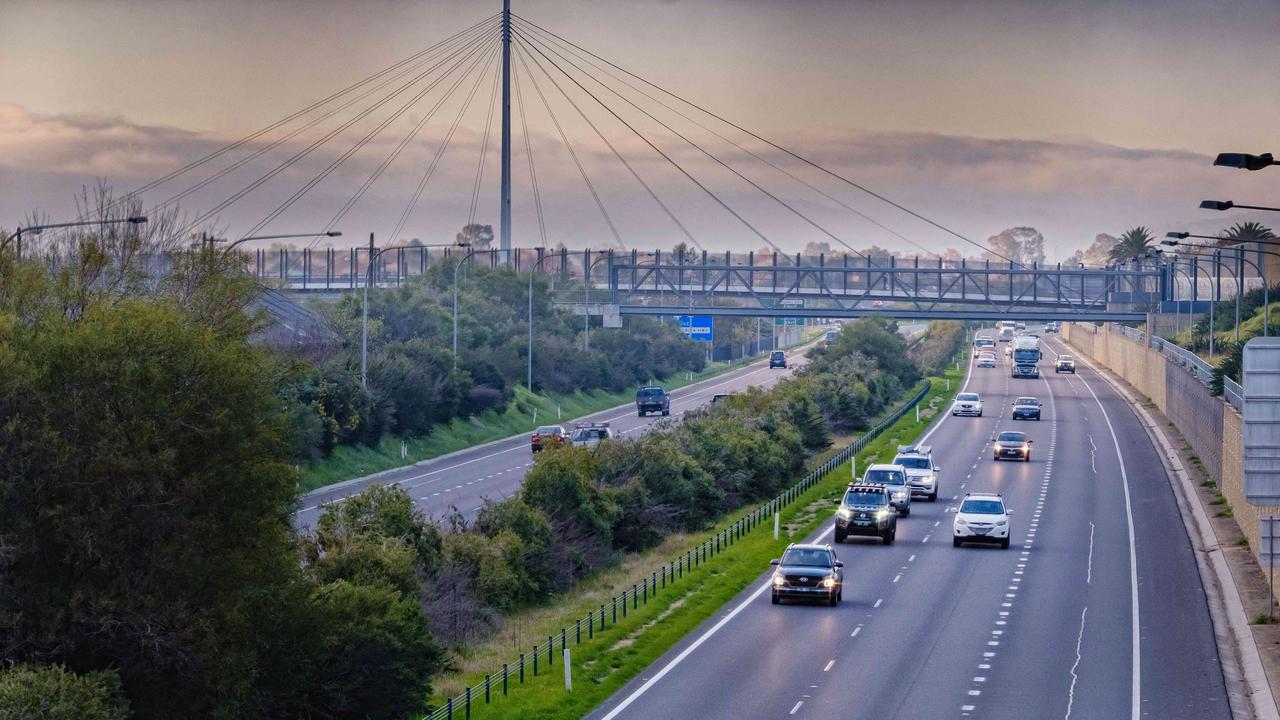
(695, 644)
(1135, 701)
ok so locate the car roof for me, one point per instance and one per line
(885, 466)
(549, 429)
(915, 449)
(865, 486)
(1012, 432)
(808, 546)
(1026, 397)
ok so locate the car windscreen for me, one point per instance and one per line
(777, 354)
(967, 397)
(807, 556)
(548, 430)
(982, 507)
(1026, 401)
(912, 463)
(1065, 358)
(1012, 437)
(884, 477)
(650, 392)
(863, 497)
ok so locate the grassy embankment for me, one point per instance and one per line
(623, 650)
(353, 461)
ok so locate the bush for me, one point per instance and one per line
(51, 692)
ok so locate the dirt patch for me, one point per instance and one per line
(631, 638)
(821, 506)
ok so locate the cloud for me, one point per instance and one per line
(1070, 190)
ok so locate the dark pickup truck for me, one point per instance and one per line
(652, 398)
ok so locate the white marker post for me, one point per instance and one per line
(777, 517)
(917, 412)
(853, 467)
(568, 672)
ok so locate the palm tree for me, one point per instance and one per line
(1135, 241)
(1245, 232)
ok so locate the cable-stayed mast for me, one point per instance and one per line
(504, 222)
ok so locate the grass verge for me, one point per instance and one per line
(603, 664)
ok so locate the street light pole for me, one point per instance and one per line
(374, 253)
(455, 303)
(37, 229)
(229, 248)
(586, 301)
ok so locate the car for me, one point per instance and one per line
(981, 518)
(1012, 445)
(652, 398)
(1051, 327)
(590, 434)
(967, 404)
(808, 572)
(986, 360)
(546, 436)
(894, 479)
(719, 398)
(777, 359)
(1026, 408)
(867, 510)
(982, 344)
(1019, 325)
(922, 474)
(1066, 363)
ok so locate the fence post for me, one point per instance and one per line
(535, 661)
(635, 597)
(568, 672)
(504, 679)
(615, 610)
(624, 606)
(468, 709)
(551, 646)
(486, 689)
(449, 708)
(577, 640)
(521, 668)
(646, 591)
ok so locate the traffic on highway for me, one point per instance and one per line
(1044, 604)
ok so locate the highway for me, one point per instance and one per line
(1095, 611)
(464, 479)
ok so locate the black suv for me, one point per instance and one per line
(652, 398)
(808, 572)
(867, 510)
(1026, 408)
(777, 359)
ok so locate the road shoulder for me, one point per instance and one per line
(1250, 654)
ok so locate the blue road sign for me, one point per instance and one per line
(698, 327)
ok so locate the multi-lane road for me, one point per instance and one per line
(1095, 611)
(464, 479)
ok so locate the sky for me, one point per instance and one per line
(1075, 118)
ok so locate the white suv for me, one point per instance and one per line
(922, 474)
(981, 517)
(894, 479)
(967, 404)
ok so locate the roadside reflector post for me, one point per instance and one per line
(917, 412)
(568, 672)
(777, 518)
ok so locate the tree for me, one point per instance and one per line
(1248, 231)
(1097, 254)
(479, 237)
(1135, 241)
(51, 692)
(143, 472)
(1022, 245)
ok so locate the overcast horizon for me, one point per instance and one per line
(1073, 118)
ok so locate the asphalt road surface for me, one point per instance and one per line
(463, 480)
(1095, 611)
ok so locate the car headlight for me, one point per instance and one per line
(844, 513)
(882, 514)
(899, 495)
(1026, 447)
(778, 580)
(960, 521)
(1002, 522)
(828, 582)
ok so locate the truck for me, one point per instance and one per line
(1026, 356)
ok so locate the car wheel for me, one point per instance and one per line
(906, 511)
(774, 599)
(840, 537)
(955, 542)
(1004, 544)
(641, 413)
(1027, 458)
(996, 457)
(666, 413)
(933, 496)
(833, 600)
(979, 413)
(840, 594)
(891, 536)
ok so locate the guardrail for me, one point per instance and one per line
(497, 684)
(1234, 393)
